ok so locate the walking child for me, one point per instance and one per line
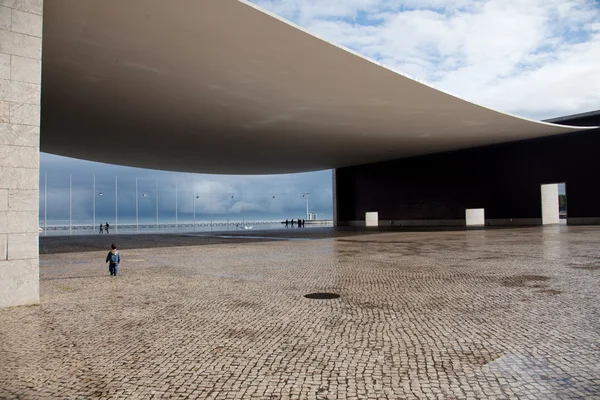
(113, 258)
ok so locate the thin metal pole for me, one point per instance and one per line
(116, 206)
(306, 198)
(45, 203)
(70, 199)
(307, 206)
(137, 226)
(210, 204)
(176, 209)
(94, 204)
(243, 216)
(157, 204)
(228, 207)
(194, 193)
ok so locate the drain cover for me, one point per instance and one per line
(322, 296)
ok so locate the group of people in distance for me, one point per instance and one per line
(103, 227)
(300, 222)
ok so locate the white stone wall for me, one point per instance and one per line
(550, 213)
(20, 85)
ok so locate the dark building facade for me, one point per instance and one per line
(505, 180)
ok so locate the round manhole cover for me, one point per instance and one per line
(322, 296)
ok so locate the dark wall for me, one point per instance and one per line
(504, 179)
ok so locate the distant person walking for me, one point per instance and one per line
(101, 228)
(287, 223)
(113, 259)
(106, 227)
(292, 223)
(303, 223)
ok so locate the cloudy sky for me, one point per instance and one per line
(533, 58)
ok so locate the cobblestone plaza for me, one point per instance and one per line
(466, 314)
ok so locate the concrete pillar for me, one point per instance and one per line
(475, 216)
(20, 87)
(372, 218)
(550, 214)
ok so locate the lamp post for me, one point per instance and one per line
(228, 207)
(45, 203)
(305, 195)
(144, 194)
(100, 194)
(70, 200)
(137, 225)
(116, 206)
(271, 202)
(94, 204)
(195, 197)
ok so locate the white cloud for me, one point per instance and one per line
(535, 58)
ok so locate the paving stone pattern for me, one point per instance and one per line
(473, 314)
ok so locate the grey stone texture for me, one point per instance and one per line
(25, 70)
(464, 314)
(20, 45)
(4, 112)
(19, 92)
(22, 200)
(26, 23)
(24, 114)
(30, 6)
(19, 135)
(4, 66)
(3, 200)
(19, 156)
(20, 87)
(23, 246)
(5, 18)
(3, 246)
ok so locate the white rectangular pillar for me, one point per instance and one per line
(475, 216)
(550, 206)
(20, 87)
(372, 219)
(334, 196)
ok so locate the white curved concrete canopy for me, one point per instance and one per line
(220, 86)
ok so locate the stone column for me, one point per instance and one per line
(20, 87)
